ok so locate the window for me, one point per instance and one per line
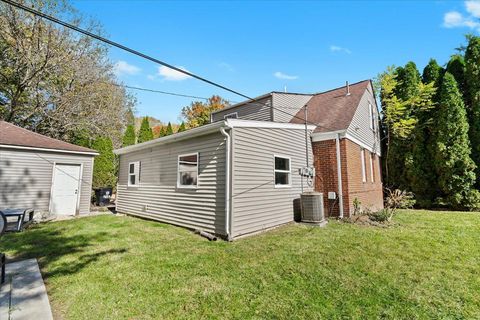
(134, 173)
(282, 171)
(362, 159)
(233, 115)
(371, 113)
(372, 158)
(187, 170)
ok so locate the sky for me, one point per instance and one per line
(257, 47)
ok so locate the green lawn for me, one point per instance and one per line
(107, 267)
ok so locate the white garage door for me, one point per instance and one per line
(65, 189)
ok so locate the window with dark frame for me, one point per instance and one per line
(282, 171)
(188, 171)
(133, 173)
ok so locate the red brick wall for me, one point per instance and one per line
(325, 160)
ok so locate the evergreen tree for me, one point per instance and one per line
(145, 133)
(104, 163)
(129, 136)
(408, 78)
(163, 133)
(472, 97)
(181, 128)
(452, 162)
(169, 129)
(432, 72)
(456, 67)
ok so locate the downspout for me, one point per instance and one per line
(339, 174)
(227, 181)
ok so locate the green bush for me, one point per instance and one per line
(104, 164)
(384, 215)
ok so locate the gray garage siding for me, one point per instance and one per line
(260, 110)
(26, 178)
(202, 208)
(256, 203)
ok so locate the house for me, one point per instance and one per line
(46, 174)
(241, 173)
(346, 141)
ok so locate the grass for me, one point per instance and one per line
(105, 267)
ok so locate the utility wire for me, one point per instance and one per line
(159, 91)
(147, 57)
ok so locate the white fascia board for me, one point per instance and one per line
(9, 146)
(363, 144)
(195, 132)
(323, 136)
(240, 123)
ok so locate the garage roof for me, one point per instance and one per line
(13, 136)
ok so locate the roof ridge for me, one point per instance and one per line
(350, 84)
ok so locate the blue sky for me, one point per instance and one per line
(258, 47)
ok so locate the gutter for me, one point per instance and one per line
(339, 175)
(227, 180)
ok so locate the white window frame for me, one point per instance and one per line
(181, 186)
(362, 159)
(289, 171)
(372, 178)
(136, 173)
(231, 114)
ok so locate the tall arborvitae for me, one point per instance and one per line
(129, 136)
(456, 66)
(453, 166)
(472, 97)
(104, 164)
(400, 150)
(169, 130)
(421, 176)
(181, 128)
(432, 72)
(145, 133)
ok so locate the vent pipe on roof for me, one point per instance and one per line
(348, 88)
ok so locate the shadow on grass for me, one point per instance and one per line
(58, 252)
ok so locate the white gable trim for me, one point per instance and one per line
(10, 146)
(323, 136)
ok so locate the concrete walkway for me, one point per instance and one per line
(23, 295)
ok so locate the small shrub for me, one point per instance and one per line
(399, 199)
(356, 207)
(384, 215)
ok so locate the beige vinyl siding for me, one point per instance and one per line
(26, 178)
(359, 128)
(256, 203)
(287, 105)
(202, 208)
(260, 110)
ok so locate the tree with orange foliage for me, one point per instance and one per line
(198, 113)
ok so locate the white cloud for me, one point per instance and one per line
(281, 75)
(473, 7)
(335, 48)
(123, 67)
(455, 19)
(172, 75)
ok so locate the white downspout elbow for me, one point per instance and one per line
(227, 181)
(339, 175)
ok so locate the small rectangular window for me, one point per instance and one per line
(282, 171)
(133, 173)
(188, 170)
(233, 115)
(372, 174)
(362, 159)
(371, 112)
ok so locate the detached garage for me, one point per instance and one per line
(42, 173)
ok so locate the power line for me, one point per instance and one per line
(159, 91)
(147, 57)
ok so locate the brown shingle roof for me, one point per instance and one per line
(16, 136)
(333, 110)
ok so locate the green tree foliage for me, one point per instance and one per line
(408, 79)
(432, 72)
(104, 165)
(456, 67)
(55, 81)
(129, 137)
(169, 130)
(198, 113)
(181, 128)
(145, 133)
(162, 132)
(453, 166)
(472, 96)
